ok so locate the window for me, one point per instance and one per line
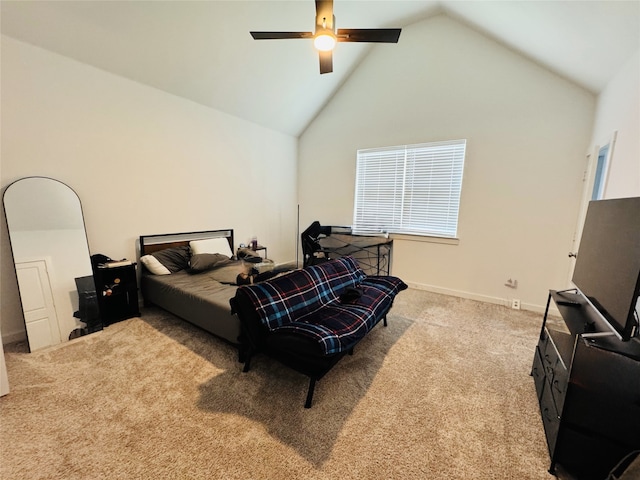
(601, 169)
(410, 189)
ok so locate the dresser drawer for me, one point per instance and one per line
(550, 418)
(557, 374)
(538, 372)
(559, 384)
(550, 357)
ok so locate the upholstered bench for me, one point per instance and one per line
(310, 318)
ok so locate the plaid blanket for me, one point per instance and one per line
(307, 302)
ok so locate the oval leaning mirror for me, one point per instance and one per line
(51, 257)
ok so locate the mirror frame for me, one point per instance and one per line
(64, 337)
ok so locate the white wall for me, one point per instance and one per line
(527, 133)
(619, 110)
(142, 161)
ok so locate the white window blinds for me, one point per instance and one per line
(411, 189)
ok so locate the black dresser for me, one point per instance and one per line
(588, 386)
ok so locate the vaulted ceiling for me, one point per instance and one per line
(202, 50)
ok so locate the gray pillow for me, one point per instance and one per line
(174, 259)
(202, 262)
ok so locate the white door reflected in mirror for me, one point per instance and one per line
(37, 304)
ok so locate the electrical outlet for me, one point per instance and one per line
(515, 303)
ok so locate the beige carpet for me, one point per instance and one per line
(443, 392)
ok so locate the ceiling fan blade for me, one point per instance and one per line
(326, 62)
(280, 35)
(373, 35)
(324, 13)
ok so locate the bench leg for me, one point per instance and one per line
(384, 321)
(246, 366)
(247, 361)
(312, 386)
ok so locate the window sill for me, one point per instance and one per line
(424, 238)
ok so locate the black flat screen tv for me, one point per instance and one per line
(607, 270)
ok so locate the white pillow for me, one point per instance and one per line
(211, 245)
(154, 266)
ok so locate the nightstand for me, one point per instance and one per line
(117, 291)
(259, 248)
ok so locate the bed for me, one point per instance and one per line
(199, 290)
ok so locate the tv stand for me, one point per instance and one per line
(588, 387)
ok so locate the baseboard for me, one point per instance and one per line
(505, 302)
(289, 264)
(13, 337)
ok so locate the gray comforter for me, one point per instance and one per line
(202, 298)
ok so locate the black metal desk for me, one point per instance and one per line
(373, 253)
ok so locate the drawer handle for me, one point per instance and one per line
(548, 415)
(556, 385)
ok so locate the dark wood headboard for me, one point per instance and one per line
(154, 243)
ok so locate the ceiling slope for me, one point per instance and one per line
(202, 50)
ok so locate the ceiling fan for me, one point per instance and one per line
(326, 36)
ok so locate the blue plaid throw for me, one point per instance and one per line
(307, 302)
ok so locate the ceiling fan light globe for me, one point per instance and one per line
(324, 42)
